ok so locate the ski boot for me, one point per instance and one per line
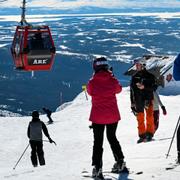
(142, 138)
(119, 166)
(124, 169)
(149, 137)
(97, 173)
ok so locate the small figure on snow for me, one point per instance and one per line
(157, 102)
(141, 95)
(34, 132)
(103, 87)
(48, 113)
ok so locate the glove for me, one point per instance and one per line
(164, 110)
(51, 141)
(91, 126)
(133, 108)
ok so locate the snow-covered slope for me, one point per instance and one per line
(74, 141)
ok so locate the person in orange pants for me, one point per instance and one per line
(141, 94)
(146, 131)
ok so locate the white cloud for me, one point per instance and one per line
(10, 3)
(71, 4)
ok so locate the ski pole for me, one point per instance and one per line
(21, 156)
(173, 137)
(86, 95)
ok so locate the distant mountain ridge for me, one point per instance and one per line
(82, 10)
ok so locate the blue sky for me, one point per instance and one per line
(73, 4)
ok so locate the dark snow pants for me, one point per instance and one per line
(156, 119)
(49, 117)
(37, 151)
(98, 130)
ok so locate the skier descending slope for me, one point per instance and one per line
(48, 113)
(34, 133)
(103, 87)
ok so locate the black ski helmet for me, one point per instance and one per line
(35, 114)
(100, 64)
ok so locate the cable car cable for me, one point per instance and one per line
(23, 18)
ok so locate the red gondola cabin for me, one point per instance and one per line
(33, 48)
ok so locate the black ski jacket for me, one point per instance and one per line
(35, 129)
(47, 111)
(139, 97)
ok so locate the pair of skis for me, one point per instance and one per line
(108, 175)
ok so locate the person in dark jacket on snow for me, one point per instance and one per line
(48, 113)
(103, 87)
(142, 86)
(34, 132)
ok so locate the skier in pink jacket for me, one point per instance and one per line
(103, 87)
